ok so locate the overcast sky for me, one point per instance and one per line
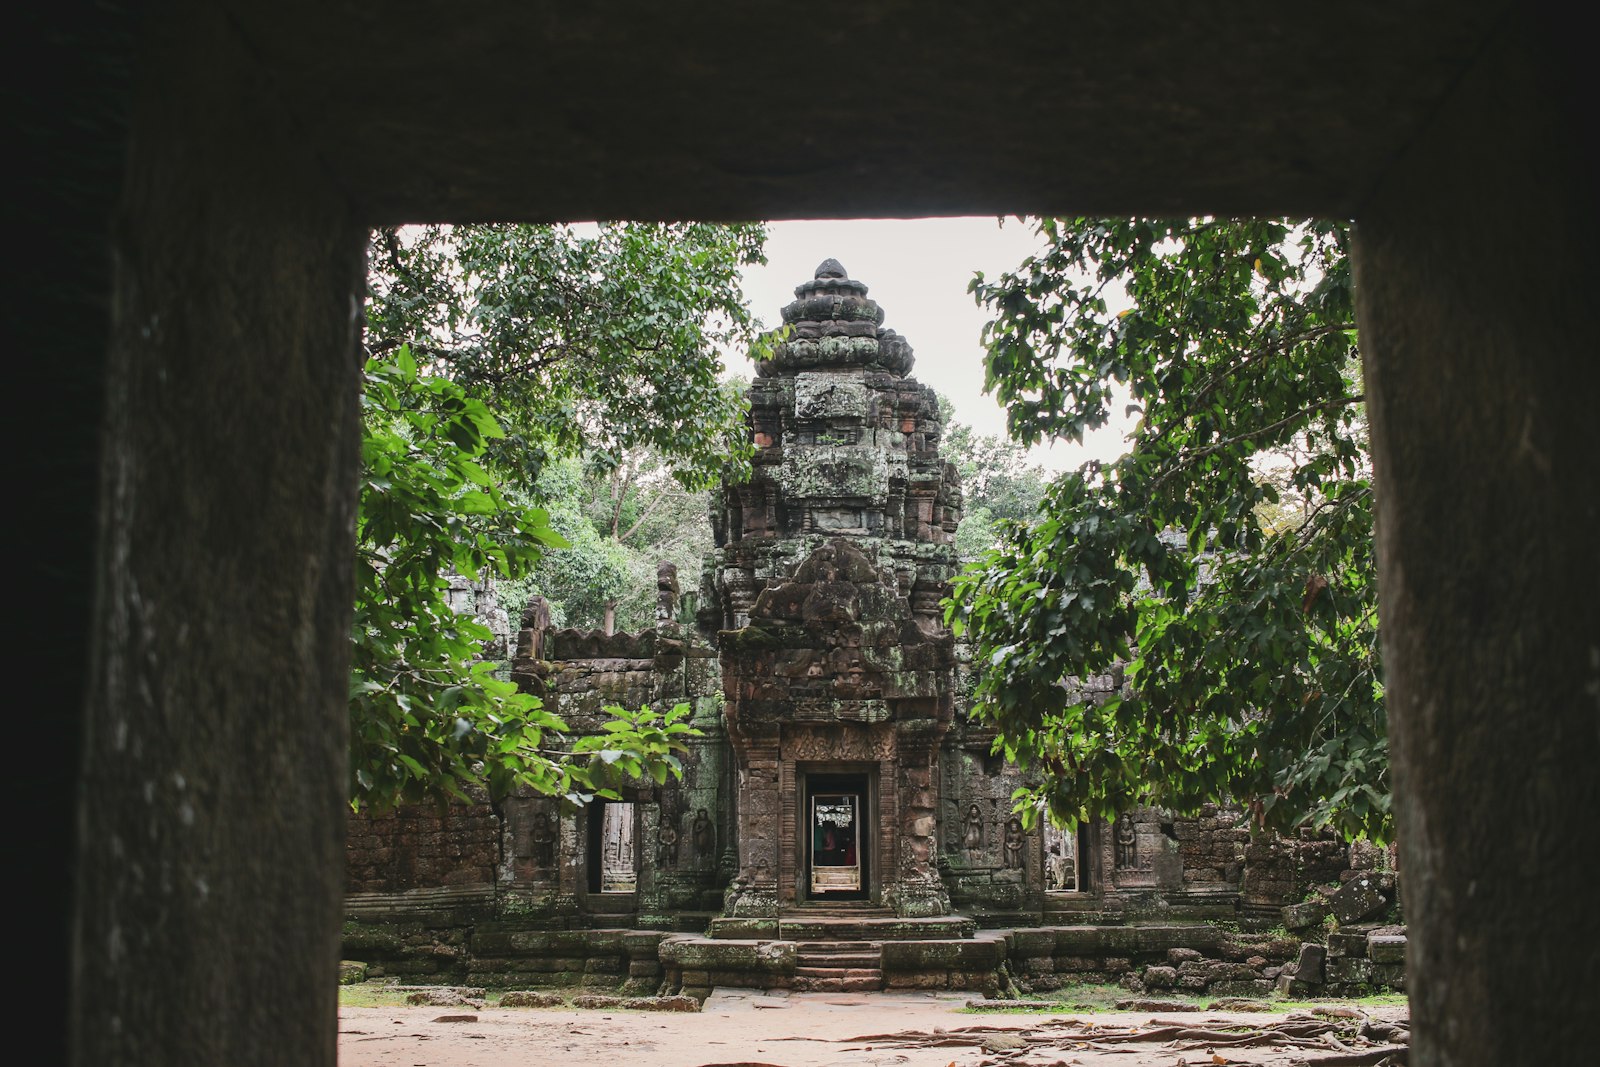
(917, 271)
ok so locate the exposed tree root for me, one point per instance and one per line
(1342, 1042)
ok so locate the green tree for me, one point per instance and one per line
(428, 717)
(495, 352)
(1247, 629)
(998, 484)
(589, 341)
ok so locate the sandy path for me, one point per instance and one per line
(750, 1028)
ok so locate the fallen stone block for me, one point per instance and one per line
(1347, 943)
(1304, 916)
(1349, 970)
(1156, 1005)
(1386, 949)
(1160, 977)
(447, 997)
(1287, 985)
(674, 1003)
(528, 998)
(1358, 899)
(596, 1000)
(1309, 969)
(1242, 987)
(1239, 1004)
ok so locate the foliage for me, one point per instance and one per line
(998, 484)
(622, 522)
(1250, 646)
(428, 717)
(589, 341)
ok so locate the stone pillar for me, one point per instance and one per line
(915, 889)
(1476, 272)
(754, 892)
(212, 797)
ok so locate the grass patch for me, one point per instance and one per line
(1089, 999)
(371, 995)
(1372, 1000)
(1086, 997)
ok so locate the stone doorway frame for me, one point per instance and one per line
(795, 850)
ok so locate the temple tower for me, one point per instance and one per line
(825, 587)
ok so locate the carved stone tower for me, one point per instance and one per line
(830, 565)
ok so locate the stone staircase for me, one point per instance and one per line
(838, 967)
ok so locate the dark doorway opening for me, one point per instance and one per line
(838, 837)
(613, 854)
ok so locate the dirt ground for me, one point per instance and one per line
(753, 1029)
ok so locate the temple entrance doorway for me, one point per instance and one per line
(837, 837)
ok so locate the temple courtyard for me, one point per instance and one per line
(750, 1028)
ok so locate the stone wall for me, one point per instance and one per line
(421, 846)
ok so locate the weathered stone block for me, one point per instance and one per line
(672, 1003)
(1242, 987)
(1350, 970)
(1311, 965)
(1288, 985)
(1343, 943)
(1030, 942)
(1390, 975)
(1159, 977)
(1304, 916)
(1358, 899)
(1381, 949)
(596, 1000)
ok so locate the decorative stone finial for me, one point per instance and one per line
(831, 268)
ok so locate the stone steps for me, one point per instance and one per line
(838, 967)
(836, 927)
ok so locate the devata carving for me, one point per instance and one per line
(1014, 843)
(972, 830)
(705, 839)
(1127, 841)
(667, 842)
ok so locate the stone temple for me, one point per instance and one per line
(840, 823)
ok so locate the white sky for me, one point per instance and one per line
(918, 271)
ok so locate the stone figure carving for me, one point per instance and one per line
(545, 829)
(972, 830)
(666, 592)
(1127, 843)
(1013, 843)
(667, 841)
(536, 620)
(705, 836)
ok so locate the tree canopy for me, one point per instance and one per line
(583, 340)
(622, 521)
(497, 353)
(428, 716)
(998, 484)
(1224, 563)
